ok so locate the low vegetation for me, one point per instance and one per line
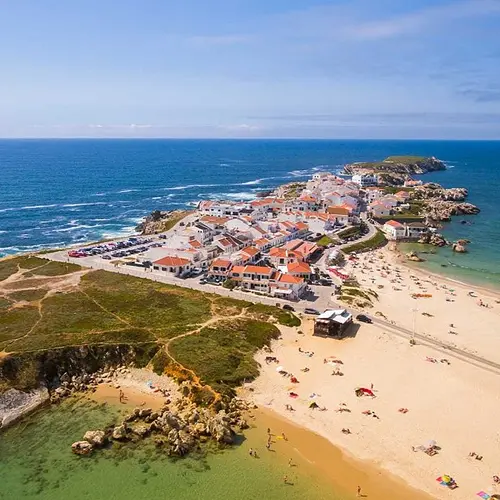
(222, 355)
(349, 232)
(376, 241)
(41, 313)
(325, 240)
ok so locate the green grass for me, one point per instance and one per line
(222, 355)
(349, 231)
(407, 160)
(51, 268)
(400, 217)
(324, 241)
(110, 309)
(267, 313)
(167, 309)
(396, 189)
(15, 323)
(376, 241)
(74, 313)
(28, 295)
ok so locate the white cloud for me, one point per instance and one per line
(423, 19)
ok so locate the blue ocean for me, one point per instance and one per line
(63, 192)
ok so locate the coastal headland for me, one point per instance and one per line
(426, 365)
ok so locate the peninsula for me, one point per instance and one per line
(297, 301)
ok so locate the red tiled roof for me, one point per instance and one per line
(299, 267)
(213, 219)
(171, 261)
(288, 278)
(237, 269)
(394, 223)
(252, 251)
(338, 210)
(195, 244)
(258, 269)
(221, 263)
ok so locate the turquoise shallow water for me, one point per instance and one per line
(36, 463)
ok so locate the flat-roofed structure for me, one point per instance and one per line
(333, 323)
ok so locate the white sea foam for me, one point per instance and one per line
(75, 228)
(88, 204)
(128, 190)
(191, 186)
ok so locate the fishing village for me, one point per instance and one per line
(296, 310)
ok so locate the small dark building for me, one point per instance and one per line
(333, 323)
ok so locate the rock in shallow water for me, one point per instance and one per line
(82, 448)
(95, 438)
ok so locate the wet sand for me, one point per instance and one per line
(316, 456)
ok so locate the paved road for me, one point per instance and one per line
(320, 299)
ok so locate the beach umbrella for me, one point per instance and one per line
(430, 444)
(446, 479)
(279, 369)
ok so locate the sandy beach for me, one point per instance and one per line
(451, 402)
(452, 313)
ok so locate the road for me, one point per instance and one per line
(320, 299)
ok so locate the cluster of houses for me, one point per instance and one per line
(383, 205)
(266, 244)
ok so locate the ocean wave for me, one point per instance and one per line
(76, 228)
(28, 207)
(127, 191)
(87, 204)
(299, 173)
(191, 186)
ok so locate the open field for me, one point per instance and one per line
(47, 305)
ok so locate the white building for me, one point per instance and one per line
(394, 230)
(365, 180)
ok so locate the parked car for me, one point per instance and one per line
(288, 307)
(364, 318)
(106, 257)
(309, 310)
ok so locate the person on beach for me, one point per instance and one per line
(268, 446)
(250, 452)
(283, 436)
(290, 463)
(285, 479)
(121, 396)
(359, 492)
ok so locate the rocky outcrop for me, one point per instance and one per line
(14, 404)
(72, 368)
(159, 221)
(413, 256)
(95, 438)
(82, 448)
(440, 210)
(400, 165)
(179, 427)
(120, 432)
(460, 246)
(434, 239)
(433, 190)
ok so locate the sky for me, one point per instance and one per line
(250, 68)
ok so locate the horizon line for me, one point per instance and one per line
(80, 138)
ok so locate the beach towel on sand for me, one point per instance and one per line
(484, 495)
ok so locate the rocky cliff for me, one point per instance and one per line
(159, 221)
(400, 167)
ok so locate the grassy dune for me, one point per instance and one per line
(103, 308)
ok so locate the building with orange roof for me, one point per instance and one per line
(288, 286)
(220, 267)
(173, 265)
(300, 269)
